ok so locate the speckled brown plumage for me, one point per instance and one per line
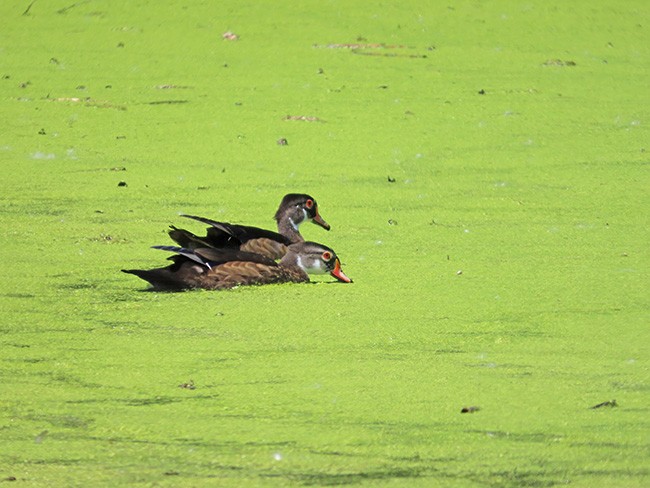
(188, 275)
(266, 247)
(239, 273)
(216, 269)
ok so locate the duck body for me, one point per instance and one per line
(294, 209)
(217, 269)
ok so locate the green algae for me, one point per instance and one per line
(484, 169)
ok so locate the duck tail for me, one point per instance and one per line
(160, 279)
(186, 239)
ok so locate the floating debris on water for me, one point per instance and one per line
(230, 36)
(611, 403)
(188, 386)
(470, 409)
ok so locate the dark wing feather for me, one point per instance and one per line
(187, 253)
(224, 234)
(186, 239)
(210, 256)
(220, 256)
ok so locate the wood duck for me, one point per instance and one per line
(293, 210)
(217, 269)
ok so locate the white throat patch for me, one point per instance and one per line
(294, 226)
(311, 266)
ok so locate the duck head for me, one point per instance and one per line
(296, 208)
(315, 258)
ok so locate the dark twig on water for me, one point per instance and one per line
(65, 9)
(168, 102)
(606, 404)
(29, 7)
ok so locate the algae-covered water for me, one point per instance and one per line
(484, 167)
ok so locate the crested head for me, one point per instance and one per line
(314, 258)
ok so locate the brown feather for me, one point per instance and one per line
(265, 247)
(229, 275)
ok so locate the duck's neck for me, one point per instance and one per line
(291, 262)
(288, 226)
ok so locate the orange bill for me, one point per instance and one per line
(338, 273)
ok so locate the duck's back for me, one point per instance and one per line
(223, 235)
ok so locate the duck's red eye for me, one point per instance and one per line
(327, 256)
(309, 203)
